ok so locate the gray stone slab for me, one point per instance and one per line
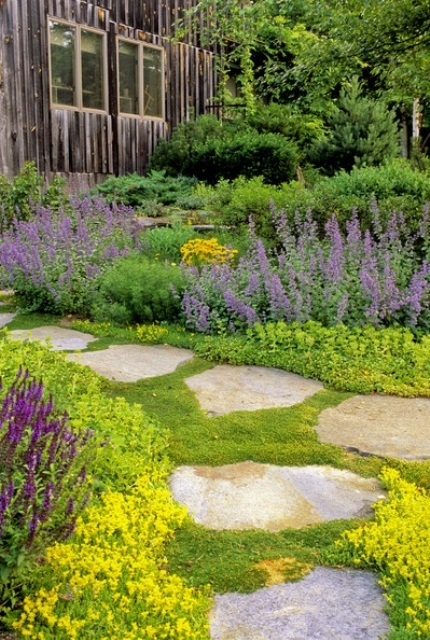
(132, 362)
(380, 425)
(5, 318)
(227, 388)
(60, 339)
(250, 495)
(328, 604)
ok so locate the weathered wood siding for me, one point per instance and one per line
(84, 143)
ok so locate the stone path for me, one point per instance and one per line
(327, 604)
(226, 388)
(5, 318)
(249, 495)
(132, 362)
(60, 339)
(379, 425)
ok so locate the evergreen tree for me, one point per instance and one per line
(363, 132)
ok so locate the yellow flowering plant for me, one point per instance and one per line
(116, 559)
(151, 333)
(397, 545)
(200, 251)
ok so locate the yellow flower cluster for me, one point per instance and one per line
(201, 251)
(110, 582)
(150, 332)
(397, 543)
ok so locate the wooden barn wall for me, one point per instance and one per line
(90, 144)
(25, 110)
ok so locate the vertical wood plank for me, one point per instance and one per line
(89, 143)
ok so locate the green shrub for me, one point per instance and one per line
(395, 186)
(174, 156)
(144, 192)
(303, 129)
(19, 196)
(361, 360)
(208, 151)
(247, 154)
(139, 290)
(362, 131)
(244, 199)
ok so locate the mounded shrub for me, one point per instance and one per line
(394, 187)
(208, 151)
(139, 290)
(138, 191)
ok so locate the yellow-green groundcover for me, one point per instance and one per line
(110, 580)
(397, 545)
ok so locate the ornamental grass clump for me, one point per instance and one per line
(397, 545)
(43, 480)
(52, 261)
(379, 277)
(111, 579)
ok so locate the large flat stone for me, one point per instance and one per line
(251, 495)
(5, 318)
(132, 362)
(60, 339)
(328, 604)
(227, 388)
(380, 425)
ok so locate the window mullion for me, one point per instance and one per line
(141, 82)
(78, 66)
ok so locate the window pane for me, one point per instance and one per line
(92, 48)
(128, 72)
(153, 82)
(63, 81)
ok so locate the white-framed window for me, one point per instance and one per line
(140, 79)
(78, 66)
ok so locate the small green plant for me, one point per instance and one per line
(139, 290)
(164, 243)
(20, 196)
(144, 192)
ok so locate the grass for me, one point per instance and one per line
(233, 560)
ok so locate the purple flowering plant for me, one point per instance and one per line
(378, 277)
(43, 481)
(53, 260)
